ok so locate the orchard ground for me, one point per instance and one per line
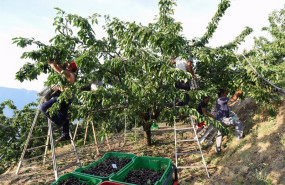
(256, 159)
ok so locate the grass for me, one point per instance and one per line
(246, 157)
(253, 132)
(283, 139)
(261, 179)
(238, 181)
(200, 180)
(229, 138)
(242, 143)
(264, 129)
(49, 167)
(185, 170)
(27, 171)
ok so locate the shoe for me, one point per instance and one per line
(63, 137)
(218, 149)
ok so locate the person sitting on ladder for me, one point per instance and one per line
(60, 118)
(223, 115)
(185, 66)
(202, 109)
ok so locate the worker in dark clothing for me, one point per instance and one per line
(223, 115)
(202, 108)
(60, 118)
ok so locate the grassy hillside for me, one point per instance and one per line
(259, 158)
(256, 159)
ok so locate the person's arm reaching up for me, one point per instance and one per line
(235, 96)
(57, 67)
(190, 69)
(69, 75)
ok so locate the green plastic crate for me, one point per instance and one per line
(110, 183)
(81, 178)
(152, 163)
(106, 155)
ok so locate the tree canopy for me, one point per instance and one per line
(133, 61)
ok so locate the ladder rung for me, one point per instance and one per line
(188, 153)
(186, 147)
(201, 131)
(32, 158)
(211, 138)
(38, 137)
(68, 166)
(182, 167)
(206, 134)
(63, 154)
(186, 140)
(36, 147)
(189, 128)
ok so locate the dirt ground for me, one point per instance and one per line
(259, 158)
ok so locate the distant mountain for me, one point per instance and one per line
(20, 97)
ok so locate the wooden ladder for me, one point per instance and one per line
(49, 141)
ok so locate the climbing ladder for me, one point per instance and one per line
(49, 138)
(181, 129)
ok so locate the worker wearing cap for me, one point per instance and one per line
(60, 118)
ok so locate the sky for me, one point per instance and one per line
(34, 18)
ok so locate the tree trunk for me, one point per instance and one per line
(147, 133)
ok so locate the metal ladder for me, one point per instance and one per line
(49, 138)
(188, 129)
(209, 135)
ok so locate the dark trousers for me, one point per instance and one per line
(60, 118)
(185, 86)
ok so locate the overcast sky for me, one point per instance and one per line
(34, 18)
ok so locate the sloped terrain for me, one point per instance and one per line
(256, 159)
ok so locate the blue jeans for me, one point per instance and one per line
(60, 118)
